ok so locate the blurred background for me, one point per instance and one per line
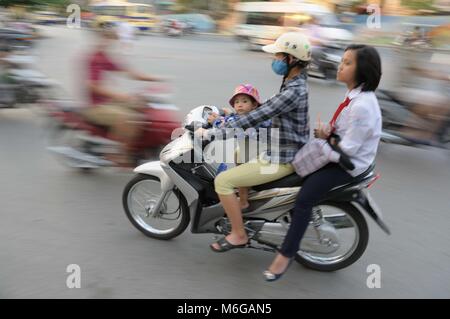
(61, 191)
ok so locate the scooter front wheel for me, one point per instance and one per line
(139, 199)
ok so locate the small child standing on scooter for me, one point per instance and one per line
(244, 100)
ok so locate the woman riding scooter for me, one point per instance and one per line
(289, 113)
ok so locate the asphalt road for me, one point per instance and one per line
(52, 217)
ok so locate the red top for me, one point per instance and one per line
(98, 64)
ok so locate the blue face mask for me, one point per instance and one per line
(280, 67)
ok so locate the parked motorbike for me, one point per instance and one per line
(166, 196)
(394, 112)
(83, 145)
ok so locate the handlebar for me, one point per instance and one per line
(196, 125)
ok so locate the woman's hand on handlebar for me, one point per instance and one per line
(227, 111)
(212, 117)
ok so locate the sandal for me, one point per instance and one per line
(225, 245)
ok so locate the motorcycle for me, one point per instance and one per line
(394, 112)
(166, 196)
(173, 28)
(328, 49)
(17, 39)
(325, 61)
(411, 40)
(20, 83)
(83, 145)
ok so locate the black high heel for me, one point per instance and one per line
(269, 276)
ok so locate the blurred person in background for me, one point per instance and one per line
(313, 32)
(126, 34)
(416, 35)
(425, 91)
(115, 110)
(6, 83)
(5, 52)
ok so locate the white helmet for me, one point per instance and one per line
(293, 43)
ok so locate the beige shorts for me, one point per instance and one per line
(254, 173)
(110, 114)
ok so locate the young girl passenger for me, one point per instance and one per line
(244, 100)
(357, 121)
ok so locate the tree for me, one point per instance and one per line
(418, 4)
(8, 3)
(51, 3)
(215, 8)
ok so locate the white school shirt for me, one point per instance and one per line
(359, 126)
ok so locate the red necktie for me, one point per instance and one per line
(338, 111)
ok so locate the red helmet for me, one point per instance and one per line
(246, 89)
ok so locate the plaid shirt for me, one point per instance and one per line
(289, 113)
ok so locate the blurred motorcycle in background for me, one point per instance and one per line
(83, 145)
(20, 82)
(328, 48)
(417, 111)
(414, 36)
(395, 111)
(173, 28)
(325, 61)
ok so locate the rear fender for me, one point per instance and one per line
(362, 198)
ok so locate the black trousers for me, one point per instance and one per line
(313, 190)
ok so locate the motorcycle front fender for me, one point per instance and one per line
(154, 168)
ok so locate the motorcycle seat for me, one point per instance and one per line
(77, 113)
(356, 180)
(295, 180)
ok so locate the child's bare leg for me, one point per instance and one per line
(243, 197)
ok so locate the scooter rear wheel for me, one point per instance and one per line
(343, 257)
